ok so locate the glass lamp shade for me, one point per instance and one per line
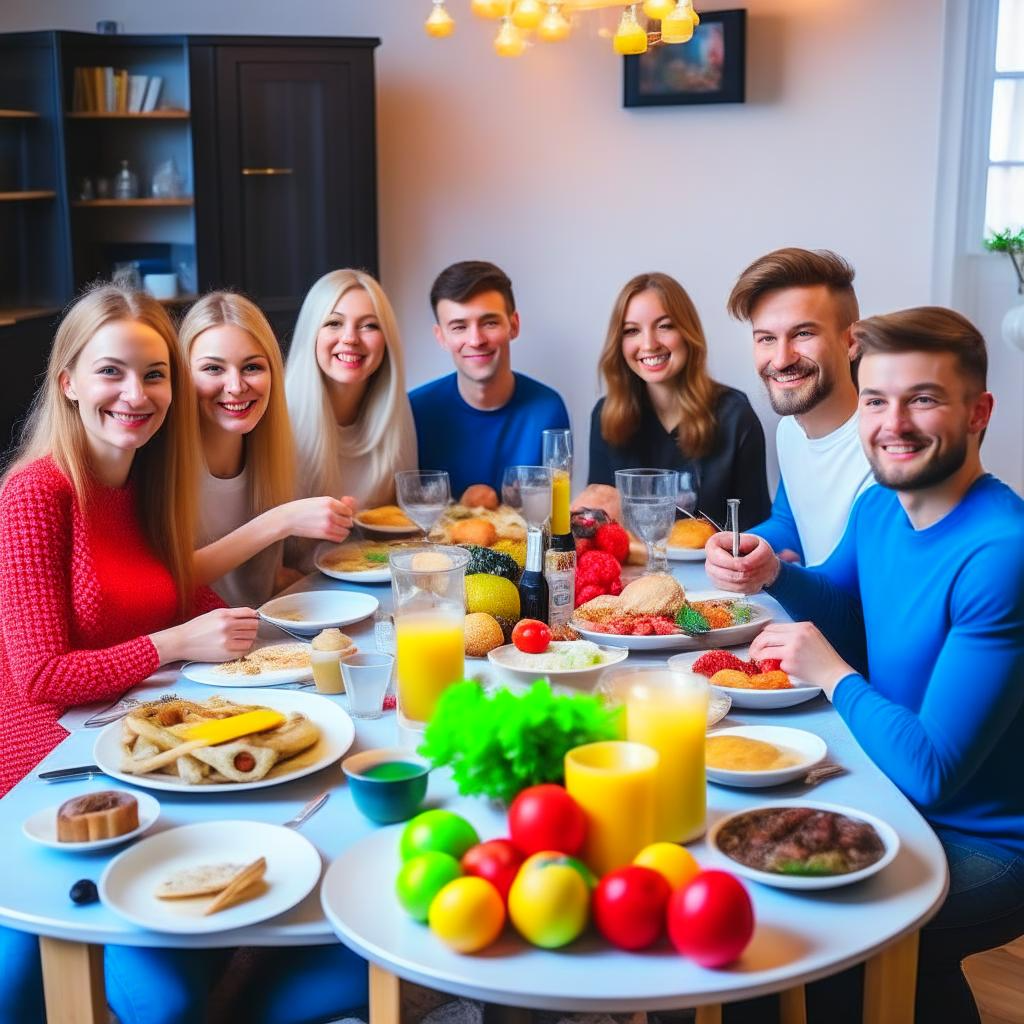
(677, 26)
(555, 26)
(509, 41)
(658, 9)
(527, 14)
(439, 23)
(488, 8)
(630, 37)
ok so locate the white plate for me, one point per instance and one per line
(381, 575)
(396, 531)
(130, 879)
(320, 609)
(890, 840)
(336, 735)
(810, 748)
(755, 700)
(687, 554)
(727, 637)
(207, 673)
(578, 678)
(41, 827)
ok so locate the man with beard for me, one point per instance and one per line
(915, 629)
(800, 305)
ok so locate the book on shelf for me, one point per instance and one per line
(152, 93)
(114, 91)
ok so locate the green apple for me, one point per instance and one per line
(441, 831)
(421, 878)
(549, 901)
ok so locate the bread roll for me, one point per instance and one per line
(101, 815)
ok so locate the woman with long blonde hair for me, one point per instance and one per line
(663, 410)
(247, 481)
(97, 587)
(345, 382)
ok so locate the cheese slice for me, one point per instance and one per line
(223, 730)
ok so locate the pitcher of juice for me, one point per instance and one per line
(428, 587)
(668, 711)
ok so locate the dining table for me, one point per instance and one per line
(800, 936)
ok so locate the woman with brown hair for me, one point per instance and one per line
(662, 410)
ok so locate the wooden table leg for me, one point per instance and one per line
(792, 1006)
(890, 980)
(385, 996)
(709, 1014)
(73, 982)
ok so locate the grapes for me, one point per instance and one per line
(84, 891)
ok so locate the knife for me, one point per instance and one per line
(82, 771)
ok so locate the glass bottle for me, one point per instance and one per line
(533, 587)
(560, 574)
(126, 183)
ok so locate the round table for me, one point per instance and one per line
(799, 937)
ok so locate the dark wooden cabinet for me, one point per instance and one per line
(276, 142)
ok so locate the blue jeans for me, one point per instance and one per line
(298, 985)
(983, 910)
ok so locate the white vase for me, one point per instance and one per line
(1013, 327)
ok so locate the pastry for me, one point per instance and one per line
(656, 594)
(690, 533)
(101, 815)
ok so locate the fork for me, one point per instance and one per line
(699, 517)
(122, 707)
(284, 629)
(308, 810)
(822, 772)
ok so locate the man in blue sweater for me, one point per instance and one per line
(915, 627)
(482, 418)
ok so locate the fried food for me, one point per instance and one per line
(690, 533)
(267, 659)
(742, 681)
(153, 741)
(230, 884)
(474, 531)
(600, 609)
(384, 515)
(507, 522)
(656, 594)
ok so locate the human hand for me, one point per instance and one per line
(600, 496)
(803, 651)
(220, 635)
(756, 567)
(322, 518)
(786, 555)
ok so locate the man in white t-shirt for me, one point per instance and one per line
(800, 305)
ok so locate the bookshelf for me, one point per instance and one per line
(107, 203)
(106, 115)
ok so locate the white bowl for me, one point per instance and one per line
(810, 748)
(577, 678)
(320, 609)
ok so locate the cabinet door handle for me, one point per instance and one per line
(264, 172)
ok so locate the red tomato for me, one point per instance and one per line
(497, 860)
(546, 818)
(711, 919)
(629, 906)
(531, 636)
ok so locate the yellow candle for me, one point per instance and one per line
(614, 782)
(669, 712)
(429, 650)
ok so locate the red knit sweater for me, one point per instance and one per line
(79, 592)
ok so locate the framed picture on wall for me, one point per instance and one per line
(710, 68)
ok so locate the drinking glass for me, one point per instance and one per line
(557, 449)
(558, 458)
(689, 485)
(366, 681)
(527, 489)
(649, 507)
(423, 494)
(428, 586)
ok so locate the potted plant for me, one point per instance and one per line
(1012, 243)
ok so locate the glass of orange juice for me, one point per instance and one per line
(668, 711)
(428, 587)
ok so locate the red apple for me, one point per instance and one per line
(629, 906)
(711, 919)
(497, 860)
(547, 818)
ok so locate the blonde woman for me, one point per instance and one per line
(247, 482)
(96, 581)
(346, 391)
(663, 410)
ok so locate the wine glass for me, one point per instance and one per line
(423, 495)
(527, 489)
(557, 450)
(649, 507)
(689, 485)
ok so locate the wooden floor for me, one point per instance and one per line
(997, 979)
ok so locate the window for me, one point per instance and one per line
(1004, 193)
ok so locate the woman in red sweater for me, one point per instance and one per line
(96, 528)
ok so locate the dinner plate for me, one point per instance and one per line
(336, 735)
(381, 575)
(811, 750)
(763, 700)
(208, 673)
(128, 884)
(320, 609)
(395, 531)
(890, 840)
(725, 637)
(686, 554)
(578, 678)
(41, 827)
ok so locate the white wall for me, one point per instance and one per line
(534, 163)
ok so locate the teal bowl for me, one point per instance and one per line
(388, 784)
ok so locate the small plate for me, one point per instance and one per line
(578, 678)
(41, 827)
(336, 735)
(755, 700)
(687, 554)
(320, 609)
(207, 673)
(811, 748)
(392, 531)
(128, 884)
(890, 840)
(381, 575)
